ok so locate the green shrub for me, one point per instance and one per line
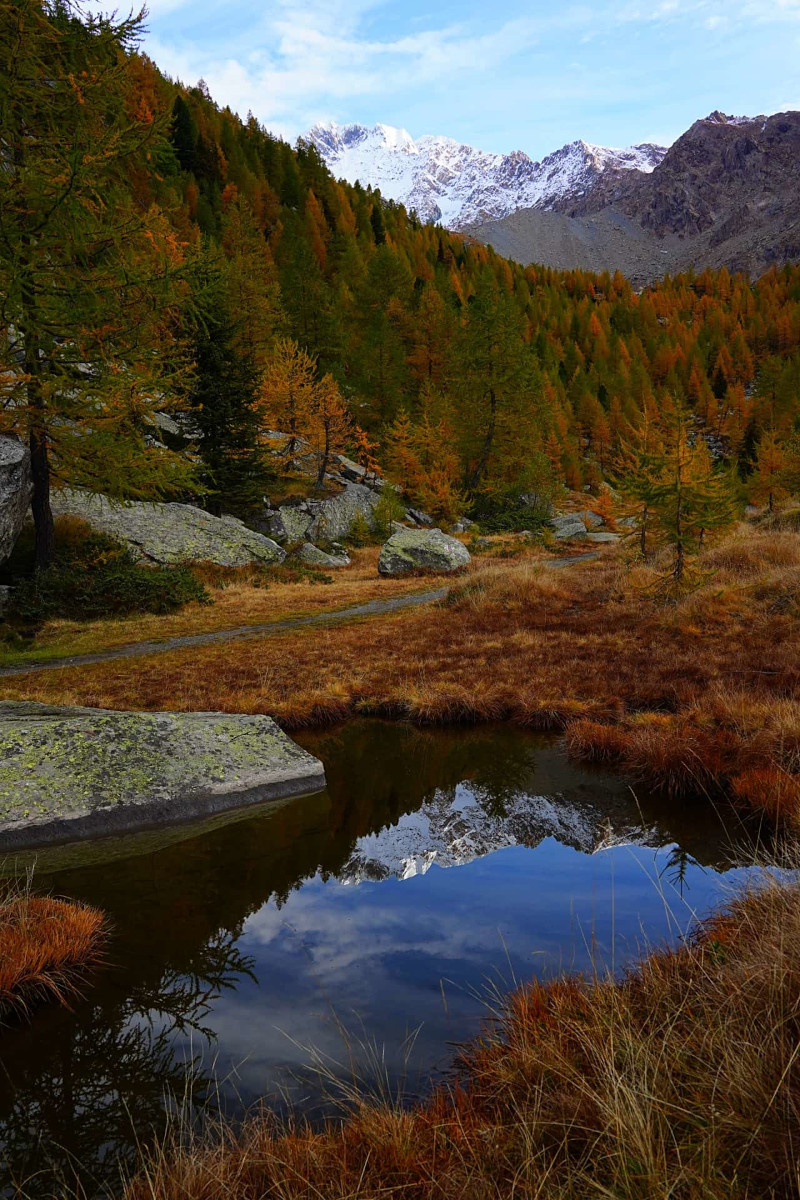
(389, 508)
(509, 517)
(94, 576)
(360, 533)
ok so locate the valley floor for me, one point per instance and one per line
(240, 597)
(697, 696)
(680, 1079)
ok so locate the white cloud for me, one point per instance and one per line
(305, 59)
(510, 75)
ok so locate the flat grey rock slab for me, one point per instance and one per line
(73, 773)
(602, 536)
(170, 533)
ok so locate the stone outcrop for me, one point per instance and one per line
(15, 492)
(568, 527)
(288, 524)
(328, 520)
(431, 550)
(312, 556)
(334, 518)
(171, 533)
(69, 773)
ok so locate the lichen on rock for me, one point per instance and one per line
(429, 550)
(67, 773)
(170, 533)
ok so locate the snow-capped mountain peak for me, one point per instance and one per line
(458, 185)
(452, 827)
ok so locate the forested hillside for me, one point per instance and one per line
(410, 319)
(299, 303)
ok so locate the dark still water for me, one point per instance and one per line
(437, 869)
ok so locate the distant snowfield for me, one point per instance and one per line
(457, 185)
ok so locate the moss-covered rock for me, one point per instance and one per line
(170, 533)
(68, 773)
(429, 550)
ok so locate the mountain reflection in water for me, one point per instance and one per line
(236, 945)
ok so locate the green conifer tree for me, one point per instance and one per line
(89, 280)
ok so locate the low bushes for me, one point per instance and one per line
(680, 1079)
(94, 576)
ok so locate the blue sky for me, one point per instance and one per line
(500, 76)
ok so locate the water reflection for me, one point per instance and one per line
(239, 945)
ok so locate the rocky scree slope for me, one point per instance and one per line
(725, 194)
(458, 185)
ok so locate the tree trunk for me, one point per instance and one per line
(40, 504)
(679, 555)
(326, 454)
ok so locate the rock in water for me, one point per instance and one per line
(68, 773)
(171, 533)
(568, 528)
(432, 550)
(15, 492)
(312, 556)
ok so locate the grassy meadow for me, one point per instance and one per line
(695, 695)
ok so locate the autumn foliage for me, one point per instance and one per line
(461, 367)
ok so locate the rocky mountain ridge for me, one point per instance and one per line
(724, 194)
(457, 185)
(452, 828)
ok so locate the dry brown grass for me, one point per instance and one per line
(681, 1080)
(46, 946)
(699, 694)
(241, 597)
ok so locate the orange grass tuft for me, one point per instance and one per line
(680, 1079)
(46, 945)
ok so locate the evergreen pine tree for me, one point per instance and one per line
(89, 279)
(223, 396)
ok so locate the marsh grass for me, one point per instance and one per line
(679, 1078)
(46, 947)
(692, 696)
